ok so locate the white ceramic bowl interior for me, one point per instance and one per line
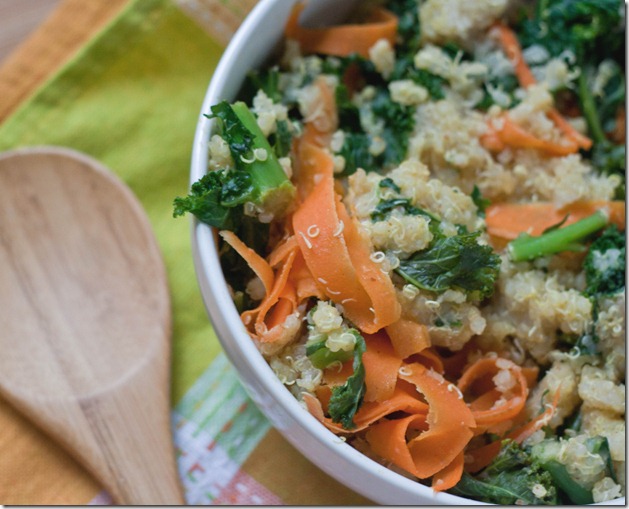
(252, 46)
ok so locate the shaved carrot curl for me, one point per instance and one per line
(494, 406)
(342, 40)
(509, 42)
(508, 220)
(381, 367)
(408, 337)
(450, 475)
(482, 456)
(370, 412)
(443, 432)
(259, 265)
(266, 322)
(511, 134)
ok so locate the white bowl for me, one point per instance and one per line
(250, 48)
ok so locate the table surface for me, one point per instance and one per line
(18, 19)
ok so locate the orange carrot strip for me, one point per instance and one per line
(385, 309)
(509, 41)
(387, 438)
(491, 140)
(483, 456)
(337, 255)
(521, 434)
(312, 164)
(530, 374)
(381, 368)
(567, 128)
(342, 40)
(370, 411)
(485, 409)
(282, 250)
(337, 375)
(454, 363)
(513, 135)
(401, 401)
(450, 475)
(511, 45)
(285, 306)
(311, 161)
(429, 358)
(408, 337)
(269, 332)
(258, 264)
(449, 421)
(301, 277)
(508, 220)
(326, 254)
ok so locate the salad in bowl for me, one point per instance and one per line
(419, 214)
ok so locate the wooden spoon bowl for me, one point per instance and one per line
(86, 320)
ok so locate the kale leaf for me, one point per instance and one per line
(512, 478)
(398, 125)
(604, 265)
(213, 197)
(281, 139)
(239, 138)
(219, 196)
(588, 28)
(409, 30)
(356, 152)
(593, 32)
(480, 202)
(453, 262)
(347, 398)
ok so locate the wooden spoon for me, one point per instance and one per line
(85, 320)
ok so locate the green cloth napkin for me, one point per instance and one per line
(131, 99)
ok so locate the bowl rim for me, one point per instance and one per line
(282, 409)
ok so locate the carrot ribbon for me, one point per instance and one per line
(507, 133)
(343, 40)
(508, 220)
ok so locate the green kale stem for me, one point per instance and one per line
(568, 238)
(267, 174)
(589, 109)
(577, 493)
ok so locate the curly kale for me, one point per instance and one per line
(593, 32)
(604, 265)
(458, 262)
(513, 478)
(546, 453)
(348, 398)
(258, 178)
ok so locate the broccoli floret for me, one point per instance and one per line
(556, 240)
(218, 198)
(514, 477)
(604, 264)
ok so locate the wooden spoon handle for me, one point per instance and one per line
(135, 459)
(122, 437)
